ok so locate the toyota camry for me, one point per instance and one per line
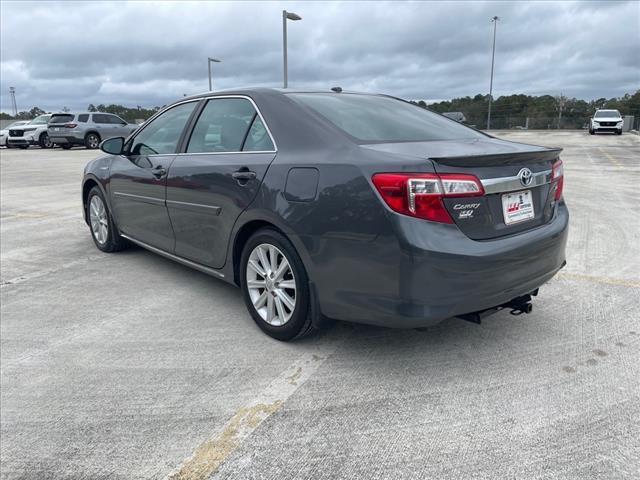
(335, 205)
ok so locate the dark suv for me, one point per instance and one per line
(88, 129)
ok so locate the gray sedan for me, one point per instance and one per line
(332, 205)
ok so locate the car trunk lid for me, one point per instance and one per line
(517, 180)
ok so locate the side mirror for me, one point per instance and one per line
(113, 146)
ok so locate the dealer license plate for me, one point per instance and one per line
(517, 207)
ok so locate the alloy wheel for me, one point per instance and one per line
(94, 141)
(99, 220)
(271, 284)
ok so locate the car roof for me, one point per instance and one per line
(266, 91)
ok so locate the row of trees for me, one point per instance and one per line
(544, 111)
(508, 111)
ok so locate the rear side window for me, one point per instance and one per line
(83, 118)
(376, 119)
(61, 118)
(222, 126)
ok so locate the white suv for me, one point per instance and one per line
(33, 133)
(606, 121)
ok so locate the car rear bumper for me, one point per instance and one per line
(436, 272)
(60, 140)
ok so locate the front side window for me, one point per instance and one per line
(100, 118)
(115, 120)
(222, 126)
(378, 119)
(162, 135)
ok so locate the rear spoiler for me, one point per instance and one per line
(496, 159)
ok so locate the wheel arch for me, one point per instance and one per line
(92, 131)
(87, 186)
(240, 239)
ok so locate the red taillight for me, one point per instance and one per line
(558, 178)
(70, 125)
(420, 194)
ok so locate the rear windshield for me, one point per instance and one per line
(61, 118)
(371, 119)
(607, 113)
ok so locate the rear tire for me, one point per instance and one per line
(267, 298)
(92, 141)
(103, 229)
(44, 141)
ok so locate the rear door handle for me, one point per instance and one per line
(158, 172)
(243, 175)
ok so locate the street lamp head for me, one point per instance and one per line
(292, 16)
(214, 60)
(493, 19)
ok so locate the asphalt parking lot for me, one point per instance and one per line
(130, 366)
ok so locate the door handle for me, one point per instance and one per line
(243, 175)
(158, 172)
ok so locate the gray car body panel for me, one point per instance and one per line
(366, 263)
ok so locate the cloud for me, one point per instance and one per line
(150, 53)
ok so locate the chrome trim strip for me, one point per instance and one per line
(140, 198)
(171, 256)
(510, 184)
(194, 207)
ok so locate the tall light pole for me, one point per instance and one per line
(209, 60)
(286, 16)
(14, 105)
(494, 20)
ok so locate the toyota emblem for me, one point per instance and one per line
(526, 176)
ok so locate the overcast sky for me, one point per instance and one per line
(73, 54)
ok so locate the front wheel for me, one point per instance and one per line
(275, 286)
(103, 230)
(619, 132)
(44, 141)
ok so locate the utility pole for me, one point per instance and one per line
(14, 105)
(494, 20)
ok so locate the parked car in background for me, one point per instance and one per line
(32, 133)
(86, 128)
(606, 121)
(457, 116)
(4, 133)
(337, 205)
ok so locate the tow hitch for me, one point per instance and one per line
(518, 306)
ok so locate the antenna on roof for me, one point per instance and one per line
(337, 89)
